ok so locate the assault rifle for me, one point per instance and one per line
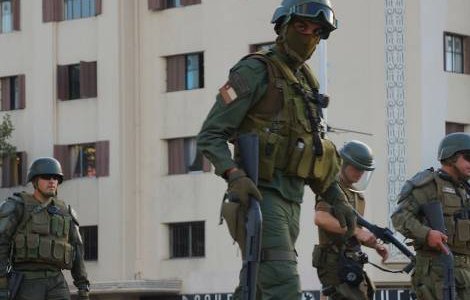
(435, 217)
(386, 235)
(248, 145)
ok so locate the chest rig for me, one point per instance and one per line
(43, 234)
(288, 120)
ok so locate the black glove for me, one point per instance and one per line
(241, 187)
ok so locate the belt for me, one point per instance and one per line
(40, 274)
(270, 254)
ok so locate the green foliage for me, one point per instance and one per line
(6, 129)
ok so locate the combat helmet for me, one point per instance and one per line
(453, 143)
(319, 11)
(43, 166)
(359, 155)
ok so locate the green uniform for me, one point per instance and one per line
(263, 96)
(424, 187)
(326, 255)
(43, 240)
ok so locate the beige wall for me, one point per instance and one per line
(134, 112)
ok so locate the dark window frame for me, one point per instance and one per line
(178, 72)
(452, 127)
(12, 92)
(261, 46)
(14, 170)
(90, 240)
(454, 54)
(58, 10)
(77, 81)
(156, 5)
(183, 157)
(187, 239)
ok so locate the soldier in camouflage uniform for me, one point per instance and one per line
(274, 94)
(358, 163)
(39, 237)
(449, 186)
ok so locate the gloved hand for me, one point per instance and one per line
(346, 217)
(241, 187)
(83, 292)
(4, 293)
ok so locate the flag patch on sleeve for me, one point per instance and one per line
(228, 93)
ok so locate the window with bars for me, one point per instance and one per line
(187, 239)
(261, 46)
(60, 10)
(164, 4)
(9, 15)
(14, 169)
(456, 53)
(90, 242)
(183, 157)
(185, 72)
(83, 160)
(12, 92)
(77, 81)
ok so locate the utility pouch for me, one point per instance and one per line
(317, 256)
(295, 156)
(40, 222)
(32, 242)
(234, 215)
(20, 246)
(463, 230)
(269, 144)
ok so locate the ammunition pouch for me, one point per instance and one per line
(318, 256)
(350, 268)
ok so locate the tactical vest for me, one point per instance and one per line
(288, 122)
(455, 201)
(43, 234)
(356, 200)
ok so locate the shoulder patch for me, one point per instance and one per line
(237, 86)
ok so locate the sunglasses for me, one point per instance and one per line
(466, 156)
(49, 177)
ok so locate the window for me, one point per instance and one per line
(261, 46)
(90, 242)
(14, 169)
(12, 92)
(456, 53)
(77, 81)
(183, 157)
(59, 10)
(9, 15)
(83, 160)
(187, 239)
(185, 72)
(454, 127)
(164, 4)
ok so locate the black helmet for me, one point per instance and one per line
(45, 166)
(359, 155)
(453, 143)
(319, 11)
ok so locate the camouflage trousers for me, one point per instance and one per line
(277, 279)
(327, 272)
(42, 285)
(427, 279)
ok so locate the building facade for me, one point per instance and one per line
(118, 89)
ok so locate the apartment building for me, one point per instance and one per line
(118, 89)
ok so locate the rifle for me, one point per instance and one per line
(248, 145)
(386, 235)
(435, 217)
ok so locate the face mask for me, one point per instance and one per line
(300, 46)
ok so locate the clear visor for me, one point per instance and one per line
(313, 10)
(362, 183)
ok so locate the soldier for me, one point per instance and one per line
(449, 186)
(334, 254)
(274, 94)
(39, 237)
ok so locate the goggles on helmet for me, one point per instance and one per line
(313, 10)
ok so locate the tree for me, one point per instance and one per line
(6, 129)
